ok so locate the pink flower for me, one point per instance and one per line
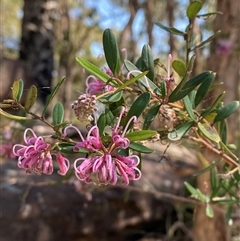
(36, 155)
(224, 46)
(6, 150)
(96, 86)
(104, 163)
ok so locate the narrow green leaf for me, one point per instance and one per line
(53, 93)
(209, 132)
(111, 51)
(93, 69)
(208, 168)
(58, 114)
(188, 107)
(147, 61)
(226, 111)
(61, 125)
(17, 89)
(214, 179)
(193, 9)
(203, 88)
(140, 148)
(170, 29)
(190, 85)
(214, 105)
(208, 40)
(209, 211)
(31, 97)
(13, 117)
(112, 97)
(138, 106)
(152, 113)
(196, 193)
(140, 135)
(130, 66)
(208, 15)
(179, 67)
(180, 131)
(190, 188)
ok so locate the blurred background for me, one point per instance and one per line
(39, 41)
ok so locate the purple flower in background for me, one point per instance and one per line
(6, 150)
(36, 155)
(104, 164)
(224, 46)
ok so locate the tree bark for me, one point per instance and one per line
(36, 47)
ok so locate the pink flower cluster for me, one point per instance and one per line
(105, 164)
(36, 155)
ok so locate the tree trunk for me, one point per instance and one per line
(36, 47)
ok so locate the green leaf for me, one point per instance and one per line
(208, 40)
(111, 51)
(171, 29)
(153, 111)
(190, 85)
(203, 88)
(193, 9)
(214, 179)
(140, 148)
(130, 81)
(214, 105)
(226, 111)
(61, 125)
(53, 93)
(208, 15)
(179, 67)
(208, 168)
(17, 89)
(196, 193)
(138, 106)
(112, 97)
(209, 211)
(13, 117)
(31, 97)
(58, 114)
(209, 132)
(93, 69)
(188, 107)
(185, 78)
(147, 61)
(130, 66)
(67, 148)
(180, 131)
(140, 135)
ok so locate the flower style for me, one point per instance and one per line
(105, 163)
(36, 155)
(96, 86)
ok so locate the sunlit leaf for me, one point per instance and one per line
(179, 67)
(209, 132)
(111, 51)
(93, 69)
(31, 97)
(193, 9)
(209, 211)
(13, 117)
(140, 135)
(17, 89)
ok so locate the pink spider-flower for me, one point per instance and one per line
(96, 86)
(36, 155)
(104, 163)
